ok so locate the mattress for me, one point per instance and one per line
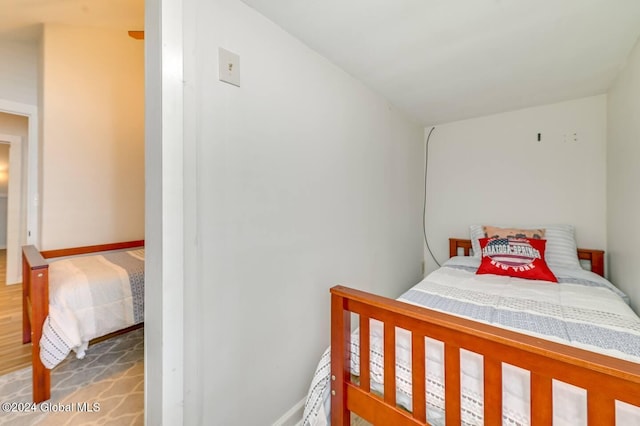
(89, 297)
(582, 310)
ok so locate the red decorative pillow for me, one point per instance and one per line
(515, 257)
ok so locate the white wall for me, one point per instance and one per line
(623, 176)
(12, 124)
(302, 179)
(492, 170)
(92, 136)
(18, 72)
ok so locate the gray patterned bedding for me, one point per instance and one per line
(89, 297)
(582, 310)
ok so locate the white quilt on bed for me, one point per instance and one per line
(583, 310)
(89, 297)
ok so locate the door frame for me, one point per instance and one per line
(16, 217)
(32, 175)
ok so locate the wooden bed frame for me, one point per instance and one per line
(605, 378)
(594, 257)
(35, 303)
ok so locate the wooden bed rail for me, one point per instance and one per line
(74, 251)
(605, 378)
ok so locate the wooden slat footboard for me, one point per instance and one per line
(605, 378)
(35, 303)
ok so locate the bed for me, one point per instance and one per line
(76, 295)
(484, 371)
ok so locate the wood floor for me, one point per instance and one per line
(13, 354)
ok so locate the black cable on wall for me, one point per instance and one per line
(424, 205)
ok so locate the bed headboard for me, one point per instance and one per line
(594, 257)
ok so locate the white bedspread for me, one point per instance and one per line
(583, 310)
(89, 297)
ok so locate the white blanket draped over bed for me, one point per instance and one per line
(89, 297)
(582, 310)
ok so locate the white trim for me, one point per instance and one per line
(293, 417)
(33, 214)
(16, 226)
(164, 223)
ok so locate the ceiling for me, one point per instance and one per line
(20, 19)
(446, 60)
(438, 60)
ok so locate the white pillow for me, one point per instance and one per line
(561, 250)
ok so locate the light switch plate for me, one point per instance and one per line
(228, 67)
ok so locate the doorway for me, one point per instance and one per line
(12, 206)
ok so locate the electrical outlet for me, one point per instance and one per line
(228, 67)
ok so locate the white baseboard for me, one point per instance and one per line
(293, 417)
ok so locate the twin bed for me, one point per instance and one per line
(73, 296)
(457, 348)
(468, 348)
